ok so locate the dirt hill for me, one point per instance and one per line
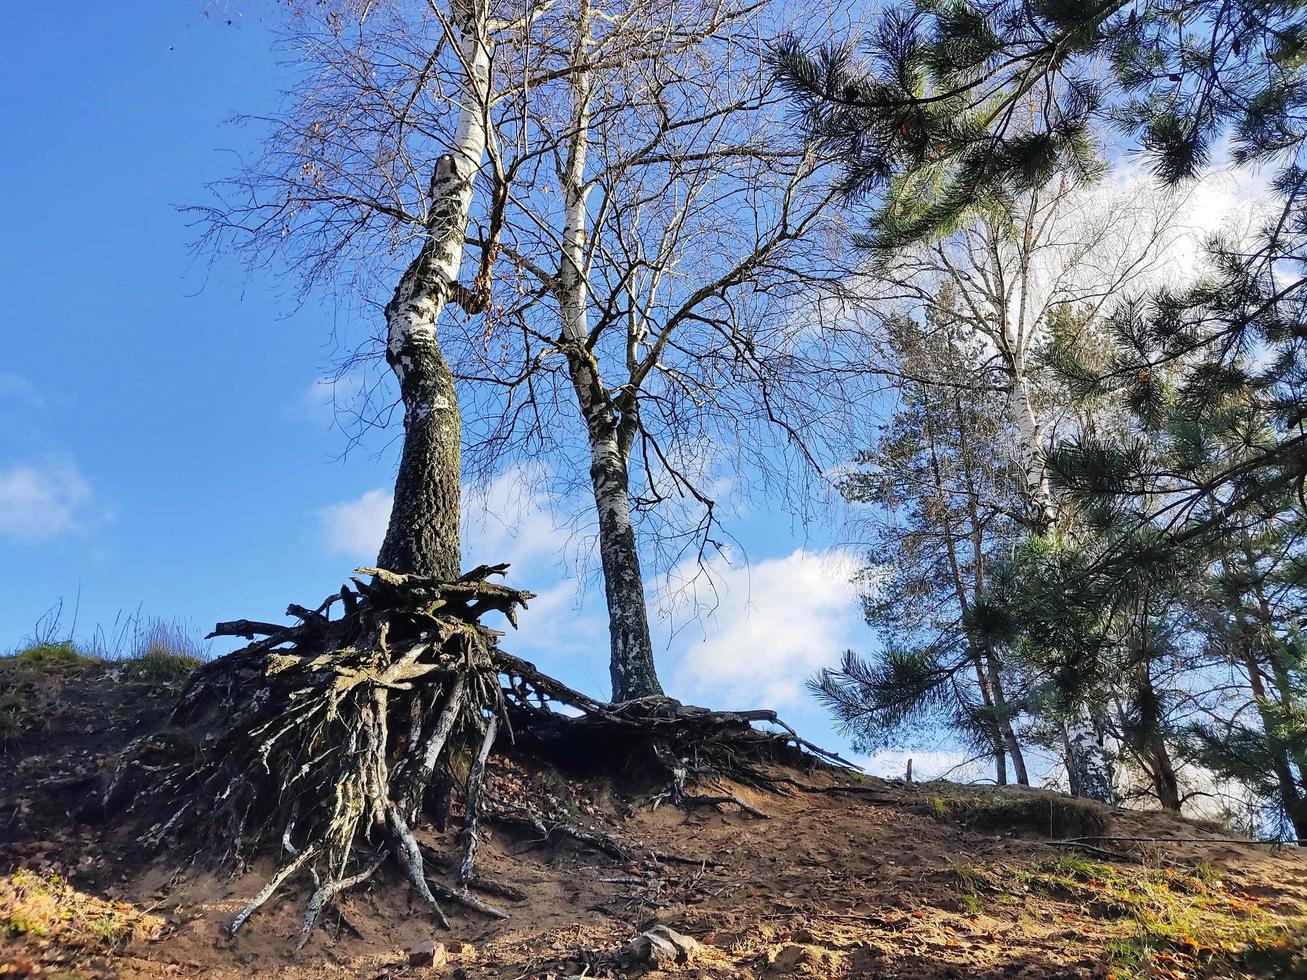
(842, 877)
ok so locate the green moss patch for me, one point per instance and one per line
(1174, 921)
(49, 658)
(46, 909)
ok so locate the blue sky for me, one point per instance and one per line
(164, 446)
(164, 442)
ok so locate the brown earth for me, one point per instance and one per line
(845, 878)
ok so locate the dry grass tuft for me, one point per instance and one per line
(165, 652)
(1019, 808)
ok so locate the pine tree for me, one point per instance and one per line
(958, 107)
(1255, 615)
(942, 503)
(1172, 579)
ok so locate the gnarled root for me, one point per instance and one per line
(323, 737)
(322, 741)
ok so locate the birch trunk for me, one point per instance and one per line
(1089, 769)
(631, 663)
(1030, 454)
(423, 533)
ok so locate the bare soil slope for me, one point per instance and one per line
(843, 878)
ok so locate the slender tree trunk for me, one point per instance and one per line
(990, 657)
(1089, 769)
(1010, 740)
(631, 664)
(423, 533)
(983, 661)
(1283, 682)
(1291, 794)
(1289, 700)
(1291, 797)
(1158, 757)
(995, 734)
(1165, 782)
(1161, 770)
(1030, 454)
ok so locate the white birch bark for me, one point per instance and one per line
(423, 532)
(1089, 767)
(1030, 453)
(631, 650)
(424, 290)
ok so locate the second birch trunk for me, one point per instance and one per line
(631, 664)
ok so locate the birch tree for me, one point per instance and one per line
(368, 180)
(650, 250)
(1060, 247)
(423, 532)
(1005, 275)
(679, 242)
(323, 744)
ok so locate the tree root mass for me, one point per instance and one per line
(327, 742)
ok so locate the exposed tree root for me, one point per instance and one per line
(550, 831)
(719, 800)
(329, 741)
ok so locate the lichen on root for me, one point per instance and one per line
(323, 742)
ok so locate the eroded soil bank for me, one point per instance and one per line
(879, 879)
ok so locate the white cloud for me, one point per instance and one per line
(953, 764)
(1229, 201)
(507, 521)
(43, 499)
(558, 626)
(510, 520)
(356, 527)
(776, 623)
(773, 625)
